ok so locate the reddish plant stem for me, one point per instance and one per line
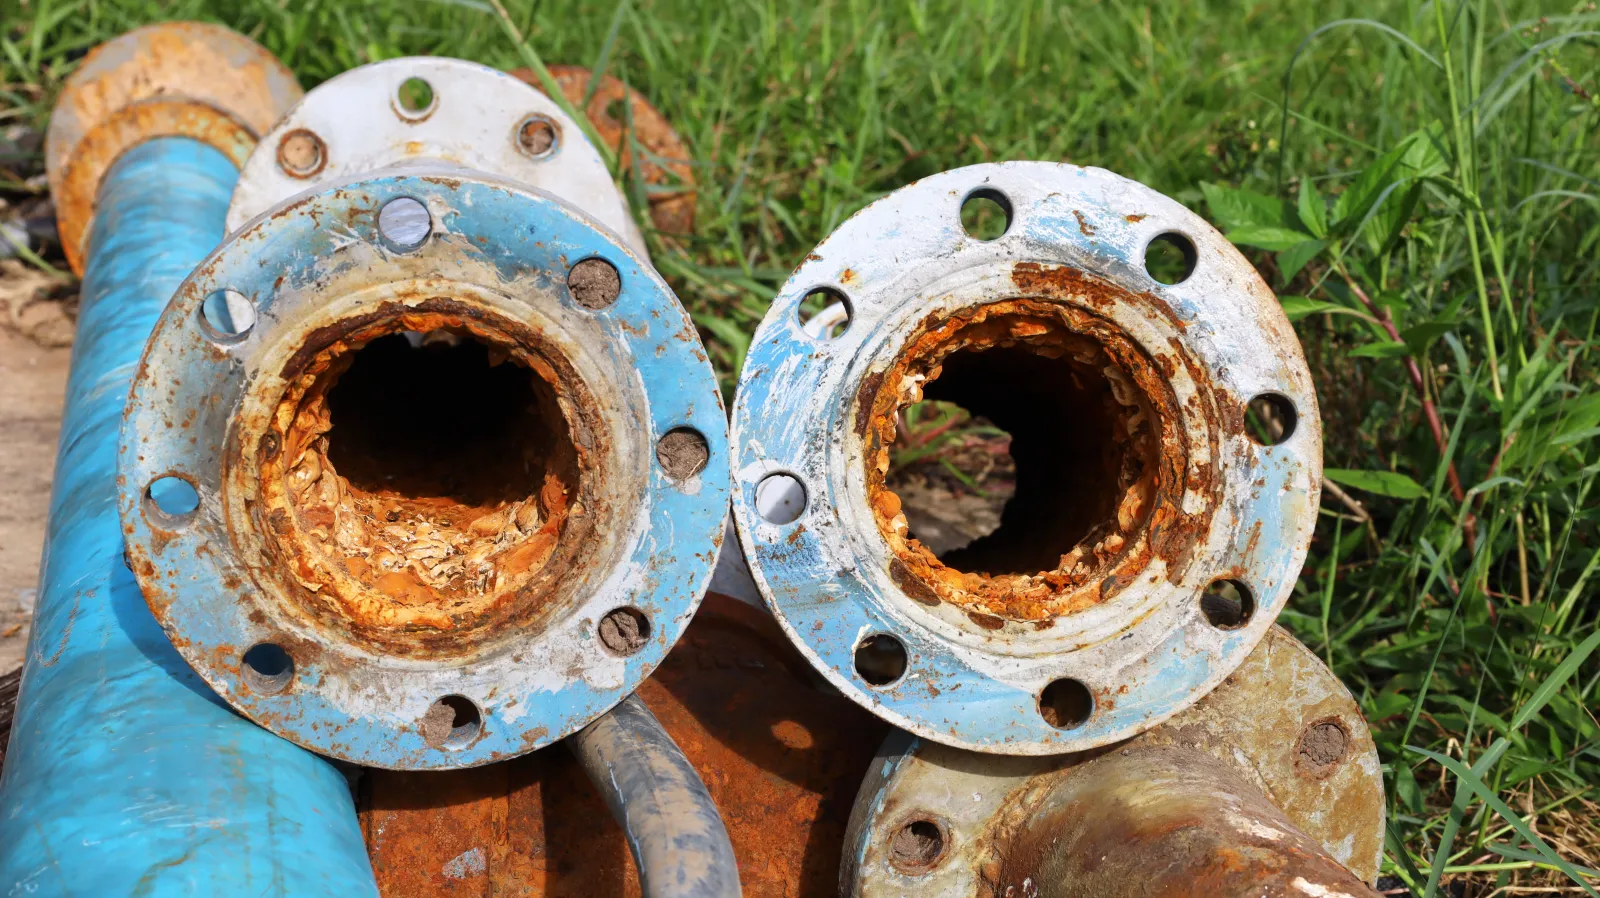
(1429, 411)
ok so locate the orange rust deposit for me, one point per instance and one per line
(424, 473)
(188, 79)
(671, 211)
(781, 760)
(1102, 461)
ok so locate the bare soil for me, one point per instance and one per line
(36, 323)
(33, 383)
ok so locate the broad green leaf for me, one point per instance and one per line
(1291, 260)
(1388, 349)
(1420, 336)
(1298, 307)
(1313, 209)
(1415, 157)
(1237, 207)
(1267, 237)
(1382, 483)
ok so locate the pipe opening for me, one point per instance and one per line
(434, 466)
(917, 846)
(953, 472)
(1071, 395)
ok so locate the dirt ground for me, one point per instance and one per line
(33, 383)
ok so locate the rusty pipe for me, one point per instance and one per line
(677, 837)
(1164, 820)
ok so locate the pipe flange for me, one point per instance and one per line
(424, 471)
(936, 820)
(429, 110)
(186, 79)
(1084, 619)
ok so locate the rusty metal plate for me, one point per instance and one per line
(1083, 620)
(781, 759)
(476, 118)
(230, 85)
(1282, 723)
(413, 626)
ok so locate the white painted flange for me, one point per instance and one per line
(356, 124)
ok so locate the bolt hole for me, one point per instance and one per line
(1322, 745)
(780, 498)
(537, 136)
(1270, 419)
(227, 316)
(301, 153)
(1066, 704)
(1227, 604)
(404, 223)
(682, 453)
(415, 98)
(1170, 258)
(917, 846)
(624, 631)
(451, 722)
(171, 501)
(594, 283)
(881, 659)
(986, 214)
(267, 669)
(824, 314)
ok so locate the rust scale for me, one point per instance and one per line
(1139, 519)
(401, 560)
(185, 79)
(781, 759)
(1162, 821)
(119, 132)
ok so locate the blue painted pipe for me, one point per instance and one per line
(126, 775)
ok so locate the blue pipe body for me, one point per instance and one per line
(126, 775)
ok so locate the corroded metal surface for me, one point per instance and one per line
(1138, 484)
(1164, 822)
(781, 760)
(211, 84)
(667, 169)
(486, 588)
(475, 119)
(1261, 777)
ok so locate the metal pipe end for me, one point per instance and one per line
(186, 79)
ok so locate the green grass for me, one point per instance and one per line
(1421, 186)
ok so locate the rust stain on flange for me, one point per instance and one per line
(671, 210)
(211, 83)
(781, 760)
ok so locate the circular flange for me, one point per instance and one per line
(1170, 492)
(188, 79)
(586, 583)
(1283, 720)
(466, 115)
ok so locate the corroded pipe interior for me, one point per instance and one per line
(1083, 405)
(431, 473)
